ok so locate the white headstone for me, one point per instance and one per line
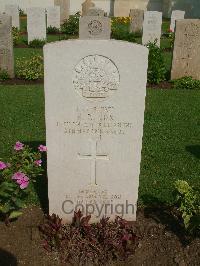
(176, 14)
(53, 17)
(95, 104)
(94, 11)
(6, 45)
(98, 28)
(36, 23)
(186, 52)
(152, 27)
(13, 11)
(64, 9)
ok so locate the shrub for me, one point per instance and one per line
(156, 68)
(83, 243)
(17, 38)
(119, 34)
(31, 68)
(120, 29)
(37, 43)
(187, 83)
(16, 177)
(188, 200)
(71, 26)
(4, 75)
(51, 30)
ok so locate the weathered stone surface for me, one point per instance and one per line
(13, 11)
(86, 6)
(98, 28)
(95, 12)
(6, 45)
(53, 17)
(186, 49)
(95, 101)
(152, 27)
(176, 14)
(36, 23)
(64, 9)
(137, 17)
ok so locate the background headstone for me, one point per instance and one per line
(98, 28)
(86, 6)
(176, 14)
(6, 45)
(152, 27)
(53, 17)
(13, 11)
(95, 101)
(64, 9)
(94, 11)
(186, 52)
(36, 23)
(137, 17)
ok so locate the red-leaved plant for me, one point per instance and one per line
(83, 243)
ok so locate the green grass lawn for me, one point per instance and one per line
(171, 147)
(171, 131)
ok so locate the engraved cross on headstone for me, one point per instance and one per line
(93, 156)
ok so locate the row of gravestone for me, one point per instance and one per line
(138, 17)
(186, 48)
(53, 15)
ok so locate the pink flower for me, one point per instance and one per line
(2, 165)
(38, 162)
(18, 146)
(42, 148)
(21, 179)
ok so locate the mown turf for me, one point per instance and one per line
(171, 148)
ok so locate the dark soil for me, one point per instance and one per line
(167, 49)
(162, 242)
(162, 85)
(17, 81)
(22, 45)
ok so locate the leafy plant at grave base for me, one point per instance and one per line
(187, 83)
(71, 25)
(30, 68)
(188, 200)
(83, 243)
(138, 34)
(4, 75)
(17, 38)
(120, 29)
(51, 30)
(119, 34)
(120, 20)
(16, 178)
(156, 67)
(37, 43)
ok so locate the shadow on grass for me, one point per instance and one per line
(194, 150)
(41, 186)
(7, 259)
(167, 215)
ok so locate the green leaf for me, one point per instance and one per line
(15, 214)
